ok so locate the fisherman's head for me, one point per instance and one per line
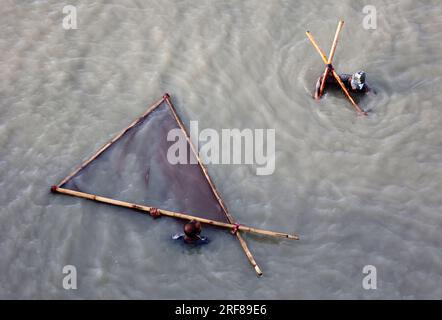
(358, 80)
(192, 229)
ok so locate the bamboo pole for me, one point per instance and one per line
(109, 143)
(358, 109)
(335, 75)
(172, 214)
(214, 190)
(330, 57)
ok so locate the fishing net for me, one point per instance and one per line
(134, 168)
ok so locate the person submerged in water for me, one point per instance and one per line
(191, 235)
(354, 83)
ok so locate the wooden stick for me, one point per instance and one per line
(358, 109)
(330, 57)
(214, 190)
(172, 214)
(108, 144)
(335, 75)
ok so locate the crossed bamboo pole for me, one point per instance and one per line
(203, 168)
(330, 58)
(335, 75)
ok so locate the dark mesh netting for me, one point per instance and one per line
(135, 169)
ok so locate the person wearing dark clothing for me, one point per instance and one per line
(355, 83)
(191, 235)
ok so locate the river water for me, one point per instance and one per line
(358, 190)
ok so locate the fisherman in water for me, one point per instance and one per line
(354, 83)
(191, 235)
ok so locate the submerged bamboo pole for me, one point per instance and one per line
(214, 190)
(335, 75)
(330, 57)
(172, 214)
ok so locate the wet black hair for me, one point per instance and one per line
(192, 228)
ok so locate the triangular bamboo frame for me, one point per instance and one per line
(232, 225)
